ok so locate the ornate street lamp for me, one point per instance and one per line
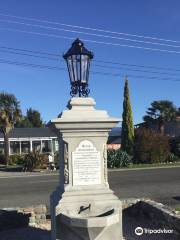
(78, 63)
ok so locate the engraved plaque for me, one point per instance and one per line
(86, 162)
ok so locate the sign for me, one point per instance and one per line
(86, 162)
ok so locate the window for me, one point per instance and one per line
(25, 147)
(15, 147)
(46, 146)
(36, 146)
(55, 145)
(1, 147)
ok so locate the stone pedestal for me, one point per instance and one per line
(83, 206)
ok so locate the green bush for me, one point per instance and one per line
(56, 159)
(175, 145)
(2, 159)
(32, 160)
(150, 147)
(117, 158)
(17, 159)
(173, 158)
(29, 161)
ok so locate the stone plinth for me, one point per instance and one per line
(83, 205)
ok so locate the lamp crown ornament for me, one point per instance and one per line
(78, 63)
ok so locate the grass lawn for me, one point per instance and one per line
(177, 209)
(154, 165)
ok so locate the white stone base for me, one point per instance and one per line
(68, 220)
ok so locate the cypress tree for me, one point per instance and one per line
(127, 123)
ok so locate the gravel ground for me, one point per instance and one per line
(129, 225)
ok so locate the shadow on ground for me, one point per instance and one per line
(132, 220)
(4, 168)
(177, 198)
(13, 219)
(14, 226)
(28, 233)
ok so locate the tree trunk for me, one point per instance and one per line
(6, 148)
(6, 143)
(161, 128)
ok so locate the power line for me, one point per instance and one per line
(91, 29)
(55, 68)
(136, 70)
(30, 65)
(29, 55)
(30, 51)
(90, 34)
(96, 65)
(101, 61)
(139, 66)
(103, 66)
(38, 33)
(91, 41)
(137, 76)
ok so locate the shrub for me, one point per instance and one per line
(175, 145)
(32, 160)
(17, 159)
(43, 162)
(56, 159)
(111, 156)
(150, 147)
(173, 158)
(117, 158)
(2, 159)
(29, 161)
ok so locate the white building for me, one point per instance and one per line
(25, 140)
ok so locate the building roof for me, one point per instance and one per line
(30, 133)
(114, 140)
(115, 132)
(114, 135)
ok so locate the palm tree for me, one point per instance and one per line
(160, 113)
(10, 113)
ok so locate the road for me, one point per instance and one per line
(162, 185)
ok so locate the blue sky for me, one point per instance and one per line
(48, 91)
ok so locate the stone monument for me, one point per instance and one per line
(83, 207)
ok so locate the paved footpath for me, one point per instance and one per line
(27, 174)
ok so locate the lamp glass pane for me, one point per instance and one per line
(74, 67)
(87, 69)
(78, 67)
(84, 61)
(70, 69)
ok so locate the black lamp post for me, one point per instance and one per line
(78, 63)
